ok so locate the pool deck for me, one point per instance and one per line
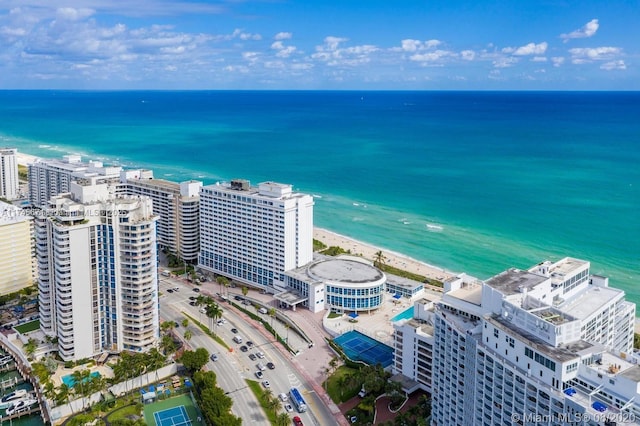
(104, 371)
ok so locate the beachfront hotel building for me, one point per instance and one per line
(551, 345)
(16, 249)
(48, 178)
(254, 234)
(97, 273)
(177, 206)
(9, 184)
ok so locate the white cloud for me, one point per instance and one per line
(614, 65)
(505, 62)
(527, 49)
(581, 55)
(539, 59)
(333, 55)
(282, 36)
(557, 61)
(411, 45)
(468, 55)
(71, 14)
(587, 30)
(282, 50)
(331, 42)
(434, 56)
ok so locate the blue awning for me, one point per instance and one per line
(397, 296)
(353, 315)
(599, 406)
(570, 391)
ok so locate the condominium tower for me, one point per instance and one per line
(255, 234)
(97, 273)
(16, 249)
(176, 204)
(9, 184)
(48, 178)
(552, 345)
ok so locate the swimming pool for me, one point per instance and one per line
(70, 382)
(406, 314)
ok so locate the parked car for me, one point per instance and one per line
(283, 397)
(297, 421)
(196, 289)
(243, 348)
(288, 408)
(214, 357)
(249, 343)
(266, 384)
(271, 366)
(252, 357)
(234, 330)
(260, 355)
(259, 374)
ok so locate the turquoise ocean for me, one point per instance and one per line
(473, 182)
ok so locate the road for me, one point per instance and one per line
(233, 367)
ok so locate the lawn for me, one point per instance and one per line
(259, 391)
(27, 327)
(341, 392)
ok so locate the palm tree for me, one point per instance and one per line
(167, 326)
(283, 419)
(63, 394)
(272, 314)
(274, 404)
(185, 322)
(341, 381)
(187, 335)
(333, 363)
(379, 259)
(214, 312)
(30, 347)
(245, 290)
(223, 281)
(80, 377)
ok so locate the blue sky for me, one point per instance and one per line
(291, 44)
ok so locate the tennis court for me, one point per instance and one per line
(176, 411)
(363, 348)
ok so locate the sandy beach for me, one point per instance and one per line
(24, 159)
(368, 251)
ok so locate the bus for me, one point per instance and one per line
(298, 401)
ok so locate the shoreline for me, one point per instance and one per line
(392, 258)
(25, 159)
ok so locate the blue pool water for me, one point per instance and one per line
(360, 347)
(406, 314)
(69, 381)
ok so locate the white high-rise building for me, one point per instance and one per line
(48, 178)
(97, 273)
(255, 234)
(176, 204)
(16, 249)
(547, 346)
(9, 184)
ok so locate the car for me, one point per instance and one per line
(259, 374)
(196, 289)
(266, 384)
(214, 357)
(238, 297)
(362, 393)
(260, 355)
(176, 324)
(169, 290)
(243, 348)
(193, 303)
(283, 397)
(260, 367)
(234, 330)
(203, 310)
(297, 421)
(176, 289)
(252, 357)
(288, 408)
(192, 298)
(220, 322)
(246, 302)
(271, 366)
(249, 343)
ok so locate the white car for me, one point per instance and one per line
(283, 397)
(266, 384)
(259, 375)
(288, 408)
(260, 355)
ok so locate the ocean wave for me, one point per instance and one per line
(434, 228)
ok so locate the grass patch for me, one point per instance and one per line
(318, 245)
(27, 327)
(334, 315)
(341, 392)
(206, 330)
(410, 275)
(259, 391)
(335, 251)
(125, 412)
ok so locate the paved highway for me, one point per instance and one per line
(232, 368)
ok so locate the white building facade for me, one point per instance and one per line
(177, 206)
(255, 234)
(16, 249)
(520, 349)
(48, 178)
(9, 184)
(97, 273)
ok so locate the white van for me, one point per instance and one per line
(262, 310)
(165, 273)
(237, 339)
(260, 367)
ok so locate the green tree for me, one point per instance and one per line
(62, 396)
(213, 312)
(167, 326)
(185, 323)
(379, 259)
(167, 345)
(80, 387)
(30, 347)
(223, 281)
(283, 419)
(195, 360)
(187, 335)
(272, 314)
(244, 290)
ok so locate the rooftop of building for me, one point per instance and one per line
(566, 266)
(612, 365)
(345, 270)
(590, 301)
(10, 214)
(561, 353)
(468, 293)
(423, 325)
(513, 281)
(403, 282)
(157, 183)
